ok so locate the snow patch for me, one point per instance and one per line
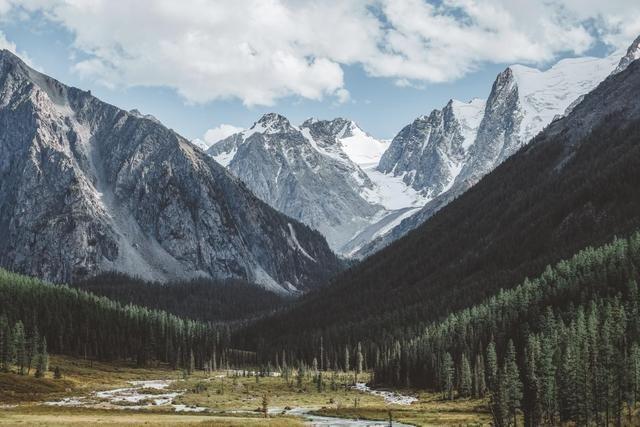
(545, 94)
(361, 148)
(297, 244)
(469, 115)
(391, 191)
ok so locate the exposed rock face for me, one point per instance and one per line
(632, 54)
(303, 172)
(522, 102)
(87, 187)
(430, 152)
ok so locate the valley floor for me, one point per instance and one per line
(120, 394)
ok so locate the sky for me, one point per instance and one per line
(208, 68)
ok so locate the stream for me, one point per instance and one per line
(155, 394)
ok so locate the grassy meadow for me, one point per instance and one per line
(231, 399)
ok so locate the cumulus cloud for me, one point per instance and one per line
(222, 131)
(261, 50)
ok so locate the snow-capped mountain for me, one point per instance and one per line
(430, 152)
(436, 158)
(200, 144)
(322, 173)
(87, 187)
(304, 172)
(633, 53)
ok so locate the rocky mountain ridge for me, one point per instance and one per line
(87, 187)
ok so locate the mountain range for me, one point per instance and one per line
(573, 186)
(363, 199)
(87, 187)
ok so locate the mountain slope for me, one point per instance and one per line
(523, 100)
(87, 187)
(302, 172)
(572, 186)
(430, 152)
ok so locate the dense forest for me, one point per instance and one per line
(198, 299)
(562, 347)
(543, 204)
(78, 323)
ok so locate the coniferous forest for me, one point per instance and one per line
(562, 347)
(81, 324)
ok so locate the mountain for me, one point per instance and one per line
(315, 173)
(86, 187)
(573, 185)
(430, 152)
(442, 155)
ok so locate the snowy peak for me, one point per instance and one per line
(272, 123)
(633, 53)
(430, 152)
(303, 172)
(469, 115)
(545, 94)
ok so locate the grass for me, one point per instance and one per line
(53, 416)
(430, 410)
(245, 393)
(233, 400)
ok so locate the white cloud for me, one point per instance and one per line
(262, 50)
(342, 95)
(222, 131)
(6, 44)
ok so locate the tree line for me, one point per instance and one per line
(80, 324)
(25, 351)
(562, 347)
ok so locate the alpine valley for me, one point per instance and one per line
(479, 268)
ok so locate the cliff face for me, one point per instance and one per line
(87, 187)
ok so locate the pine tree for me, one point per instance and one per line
(42, 360)
(6, 344)
(492, 367)
(465, 377)
(531, 395)
(20, 346)
(359, 359)
(512, 381)
(346, 359)
(192, 362)
(32, 348)
(479, 381)
(446, 376)
(547, 377)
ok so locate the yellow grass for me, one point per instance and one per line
(233, 400)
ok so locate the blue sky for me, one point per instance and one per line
(384, 93)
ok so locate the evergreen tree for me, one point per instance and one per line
(6, 344)
(531, 406)
(446, 376)
(42, 360)
(479, 381)
(465, 377)
(513, 385)
(32, 348)
(346, 359)
(20, 346)
(492, 367)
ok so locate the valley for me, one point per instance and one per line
(271, 262)
(121, 394)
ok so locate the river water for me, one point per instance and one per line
(155, 393)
